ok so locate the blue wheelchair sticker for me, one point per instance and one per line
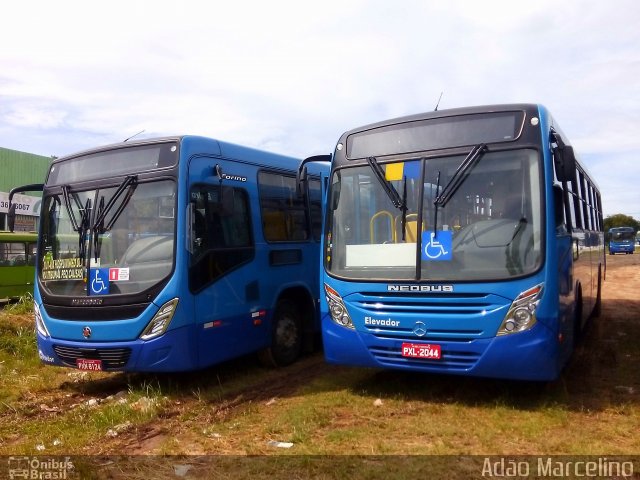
(99, 281)
(436, 246)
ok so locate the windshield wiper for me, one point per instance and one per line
(399, 202)
(458, 178)
(83, 225)
(129, 185)
(98, 226)
(68, 206)
(388, 188)
(460, 175)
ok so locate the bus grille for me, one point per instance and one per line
(452, 360)
(440, 307)
(112, 358)
(442, 304)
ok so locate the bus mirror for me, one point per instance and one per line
(565, 164)
(301, 174)
(11, 216)
(335, 196)
(558, 206)
(301, 181)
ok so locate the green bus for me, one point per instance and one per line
(17, 264)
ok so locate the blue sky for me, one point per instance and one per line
(291, 76)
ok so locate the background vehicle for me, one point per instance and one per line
(466, 241)
(17, 264)
(176, 253)
(621, 240)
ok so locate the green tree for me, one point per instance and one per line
(620, 220)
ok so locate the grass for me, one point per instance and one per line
(238, 408)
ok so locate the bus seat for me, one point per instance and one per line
(382, 214)
(411, 227)
(274, 225)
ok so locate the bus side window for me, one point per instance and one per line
(283, 211)
(31, 253)
(222, 240)
(13, 254)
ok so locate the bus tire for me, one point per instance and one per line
(286, 339)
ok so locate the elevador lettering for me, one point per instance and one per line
(380, 322)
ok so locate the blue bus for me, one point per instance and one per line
(174, 254)
(465, 241)
(622, 240)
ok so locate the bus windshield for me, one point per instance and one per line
(134, 239)
(490, 227)
(622, 234)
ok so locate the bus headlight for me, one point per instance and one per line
(40, 326)
(160, 321)
(337, 308)
(522, 313)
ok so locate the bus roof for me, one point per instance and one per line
(194, 142)
(507, 107)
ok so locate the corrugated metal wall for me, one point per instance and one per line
(21, 168)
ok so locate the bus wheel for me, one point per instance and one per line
(286, 339)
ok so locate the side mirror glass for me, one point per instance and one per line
(565, 163)
(11, 216)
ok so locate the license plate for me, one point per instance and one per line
(422, 350)
(88, 364)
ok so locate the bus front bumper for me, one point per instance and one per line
(530, 355)
(156, 355)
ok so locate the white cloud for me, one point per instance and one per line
(292, 76)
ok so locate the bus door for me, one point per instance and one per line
(223, 276)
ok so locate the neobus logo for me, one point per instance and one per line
(419, 288)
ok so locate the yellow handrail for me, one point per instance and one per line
(411, 226)
(387, 214)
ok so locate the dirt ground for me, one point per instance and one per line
(620, 302)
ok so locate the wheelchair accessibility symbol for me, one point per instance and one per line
(436, 246)
(99, 281)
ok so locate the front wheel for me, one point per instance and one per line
(286, 337)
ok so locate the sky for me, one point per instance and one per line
(291, 76)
